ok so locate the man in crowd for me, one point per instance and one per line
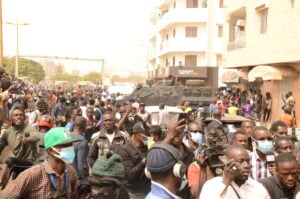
(235, 182)
(144, 114)
(240, 138)
(247, 127)
(75, 112)
(133, 155)
(284, 145)
(264, 143)
(287, 117)
(284, 183)
(165, 179)
(109, 139)
(174, 137)
(216, 123)
(279, 129)
(44, 124)
(107, 179)
(42, 109)
(21, 138)
(4, 96)
(194, 136)
(81, 149)
(162, 116)
(59, 112)
(53, 179)
(248, 109)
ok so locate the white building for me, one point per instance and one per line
(186, 33)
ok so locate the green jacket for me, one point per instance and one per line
(25, 151)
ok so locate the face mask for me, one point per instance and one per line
(265, 146)
(183, 183)
(66, 154)
(197, 137)
(150, 139)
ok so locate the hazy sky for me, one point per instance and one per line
(108, 29)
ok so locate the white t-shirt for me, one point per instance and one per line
(213, 188)
(110, 136)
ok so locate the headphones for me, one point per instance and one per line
(179, 169)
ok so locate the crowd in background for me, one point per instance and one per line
(87, 143)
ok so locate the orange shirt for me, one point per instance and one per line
(287, 119)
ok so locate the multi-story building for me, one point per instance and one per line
(187, 34)
(262, 39)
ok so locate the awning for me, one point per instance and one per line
(231, 77)
(266, 72)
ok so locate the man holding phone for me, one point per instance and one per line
(235, 183)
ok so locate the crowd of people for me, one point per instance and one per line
(78, 143)
(253, 105)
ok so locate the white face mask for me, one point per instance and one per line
(66, 154)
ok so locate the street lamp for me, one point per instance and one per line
(17, 24)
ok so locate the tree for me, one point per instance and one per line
(93, 77)
(66, 77)
(27, 68)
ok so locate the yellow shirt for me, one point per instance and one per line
(233, 110)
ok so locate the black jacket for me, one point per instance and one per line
(134, 168)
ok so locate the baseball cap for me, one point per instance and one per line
(58, 136)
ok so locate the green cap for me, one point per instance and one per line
(109, 165)
(58, 136)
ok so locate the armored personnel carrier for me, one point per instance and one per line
(179, 84)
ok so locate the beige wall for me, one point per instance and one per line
(279, 44)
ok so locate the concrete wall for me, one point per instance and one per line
(281, 41)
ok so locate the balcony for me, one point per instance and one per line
(182, 15)
(183, 45)
(241, 43)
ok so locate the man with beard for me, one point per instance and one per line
(235, 183)
(21, 138)
(284, 183)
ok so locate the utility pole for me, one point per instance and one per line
(17, 24)
(1, 37)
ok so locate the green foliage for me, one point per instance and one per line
(93, 77)
(66, 77)
(27, 68)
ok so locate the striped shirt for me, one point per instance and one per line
(259, 168)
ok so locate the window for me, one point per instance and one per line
(174, 4)
(191, 61)
(167, 37)
(167, 62)
(174, 33)
(173, 61)
(263, 15)
(219, 60)
(192, 3)
(220, 31)
(221, 3)
(191, 32)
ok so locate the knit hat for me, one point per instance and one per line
(160, 160)
(138, 128)
(109, 165)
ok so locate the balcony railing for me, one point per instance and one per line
(241, 43)
(182, 15)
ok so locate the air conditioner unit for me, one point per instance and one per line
(240, 22)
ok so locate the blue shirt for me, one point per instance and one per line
(160, 192)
